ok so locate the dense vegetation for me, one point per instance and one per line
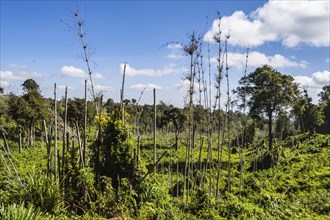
(264, 156)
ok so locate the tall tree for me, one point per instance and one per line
(267, 91)
(325, 105)
(33, 108)
(309, 116)
(177, 117)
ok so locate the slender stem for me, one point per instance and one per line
(155, 141)
(85, 123)
(55, 133)
(122, 96)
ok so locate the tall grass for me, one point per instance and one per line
(19, 212)
(39, 190)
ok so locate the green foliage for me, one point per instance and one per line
(106, 198)
(309, 116)
(325, 105)
(20, 212)
(85, 188)
(155, 201)
(37, 189)
(76, 112)
(291, 181)
(116, 149)
(268, 91)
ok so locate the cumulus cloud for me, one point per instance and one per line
(77, 72)
(9, 75)
(73, 72)
(170, 69)
(148, 86)
(20, 75)
(257, 59)
(316, 81)
(289, 22)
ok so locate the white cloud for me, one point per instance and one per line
(20, 75)
(103, 88)
(185, 84)
(98, 87)
(174, 46)
(289, 22)
(4, 84)
(256, 59)
(175, 56)
(242, 30)
(17, 66)
(73, 72)
(327, 60)
(62, 87)
(316, 81)
(147, 87)
(175, 51)
(170, 69)
(9, 75)
(79, 73)
(97, 76)
(35, 74)
(322, 78)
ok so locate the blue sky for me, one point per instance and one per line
(36, 42)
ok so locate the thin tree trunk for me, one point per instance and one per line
(73, 155)
(191, 119)
(8, 169)
(244, 129)
(85, 123)
(7, 149)
(201, 139)
(241, 167)
(228, 117)
(48, 149)
(65, 127)
(219, 149)
(20, 143)
(97, 159)
(177, 179)
(270, 134)
(55, 133)
(170, 166)
(139, 150)
(82, 165)
(155, 141)
(81, 34)
(219, 78)
(12, 164)
(122, 96)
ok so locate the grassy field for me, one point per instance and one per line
(297, 186)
